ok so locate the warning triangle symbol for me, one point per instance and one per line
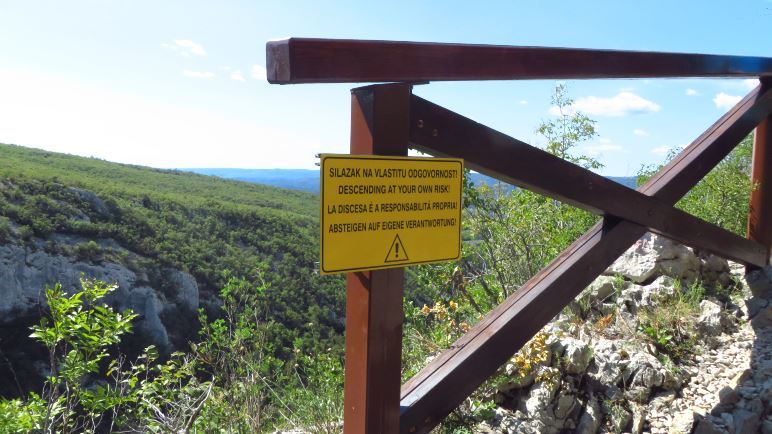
(397, 251)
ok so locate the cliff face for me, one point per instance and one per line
(170, 240)
(167, 307)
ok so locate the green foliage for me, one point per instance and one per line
(570, 127)
(165, 218)
(22, 416)
(509, 236)
(88, 390)
(670, 323)
(512, 235)
(88, 251)
(77, 336)
(270, 358)
(722, 197)
(255, 391)
(5, 229)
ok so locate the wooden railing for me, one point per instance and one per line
(387, 119)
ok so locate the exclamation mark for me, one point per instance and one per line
(397, 249)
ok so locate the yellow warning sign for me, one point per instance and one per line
(384, 212)
(393, 255)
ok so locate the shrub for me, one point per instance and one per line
(722, 197)
(88, 251)
(5, 229)
(88, 390)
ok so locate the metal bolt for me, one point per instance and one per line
(435, 133)
(420, 123)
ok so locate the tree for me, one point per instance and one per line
(569, 129)
(519, 232)
(723, 196)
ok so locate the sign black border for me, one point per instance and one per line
(324, 157)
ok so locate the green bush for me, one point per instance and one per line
(256, 391)
(88, 251)
(88, 390)
(5, 229)
(723, 196)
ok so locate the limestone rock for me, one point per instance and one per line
(577, 355)
(653, 256)
(754, 305)
(539, 398)
(620, 419)
(639, 419)
(766, 427)
(598, 291)
(762, 318)
(683, 422)
(25, 272)
(661, 402)
(711, 319)
(728, 396)
(760, 282)
(746, 421)
(706, 426)
(591, 419)
(639, 262)
(646, 370)
(651, 293)
(565, 406)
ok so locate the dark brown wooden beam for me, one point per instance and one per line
(453, 375)
(438, 131)
(760, 210)
(301, 60)
(379, 126)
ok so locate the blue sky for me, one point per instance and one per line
(180, 83)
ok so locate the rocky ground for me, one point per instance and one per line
(729, 390)
(646, 349)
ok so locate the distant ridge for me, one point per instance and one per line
(308, 179)
(294, 179)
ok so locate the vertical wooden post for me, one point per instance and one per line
(760, 212)
(379, 125)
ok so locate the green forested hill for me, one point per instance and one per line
(199, 224)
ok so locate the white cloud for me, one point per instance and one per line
(84, 119)
(259, 72)
(523, 102)
(604, 145)
(185, 47)
(622, 104)
(236, 75)
(726, 101)
(691, 92)
(661, 150)
(640, 132)
(197, 74)
(189, 47)
(751, 83)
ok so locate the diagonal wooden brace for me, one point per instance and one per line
(439, 131)
(442, 385)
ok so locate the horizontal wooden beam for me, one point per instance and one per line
(450, 377)
(302, 60)
(438, 131)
